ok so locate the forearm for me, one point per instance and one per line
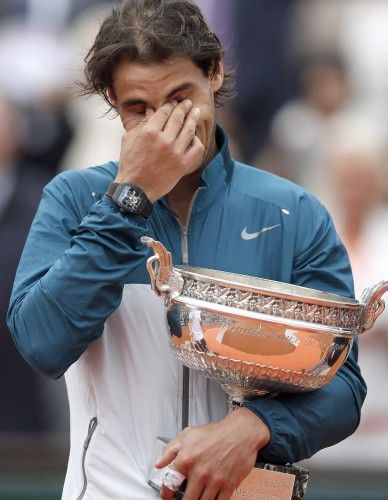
(54, 317)
(302, 424)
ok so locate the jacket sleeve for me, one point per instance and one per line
(71, 274)
(303, 423)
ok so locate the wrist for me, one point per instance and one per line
(130, 198)
(257, 430)
(152, 197)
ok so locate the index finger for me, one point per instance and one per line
(170, 452)
(162, 114)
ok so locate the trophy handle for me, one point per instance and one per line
(374, 305)
(165, 280)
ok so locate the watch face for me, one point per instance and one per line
(129, 198)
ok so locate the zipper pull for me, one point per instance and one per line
(92, 427)
(185, 249)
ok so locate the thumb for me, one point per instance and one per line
(169, 454)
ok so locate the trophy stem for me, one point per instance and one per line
(237, 395)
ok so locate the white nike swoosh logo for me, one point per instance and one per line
(250, 236)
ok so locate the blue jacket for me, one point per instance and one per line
(81, 251)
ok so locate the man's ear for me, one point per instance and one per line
(112, 99)
(217, 78)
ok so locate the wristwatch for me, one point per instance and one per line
(130, 198)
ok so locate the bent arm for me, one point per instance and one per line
(71, 276)
(302, 424)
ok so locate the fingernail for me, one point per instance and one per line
(196, 112)
(187, 103)
(174, 103)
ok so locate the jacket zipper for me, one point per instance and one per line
(185, 260)
(92, 428)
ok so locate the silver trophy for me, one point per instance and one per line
(254, 336)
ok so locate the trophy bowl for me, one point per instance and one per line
(256, 336)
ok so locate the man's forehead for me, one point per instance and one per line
(175, 72)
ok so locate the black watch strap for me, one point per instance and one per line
(130, 198)
(112, 188)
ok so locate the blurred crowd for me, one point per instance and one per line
(312, 106)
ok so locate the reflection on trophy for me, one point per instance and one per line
(259, 337)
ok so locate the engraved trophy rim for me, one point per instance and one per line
(266, 286)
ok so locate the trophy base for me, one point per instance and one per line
(264, 482)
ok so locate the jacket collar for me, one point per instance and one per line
(219, 170)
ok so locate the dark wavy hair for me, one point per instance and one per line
(149, 31)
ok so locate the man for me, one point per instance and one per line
(82, 301)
